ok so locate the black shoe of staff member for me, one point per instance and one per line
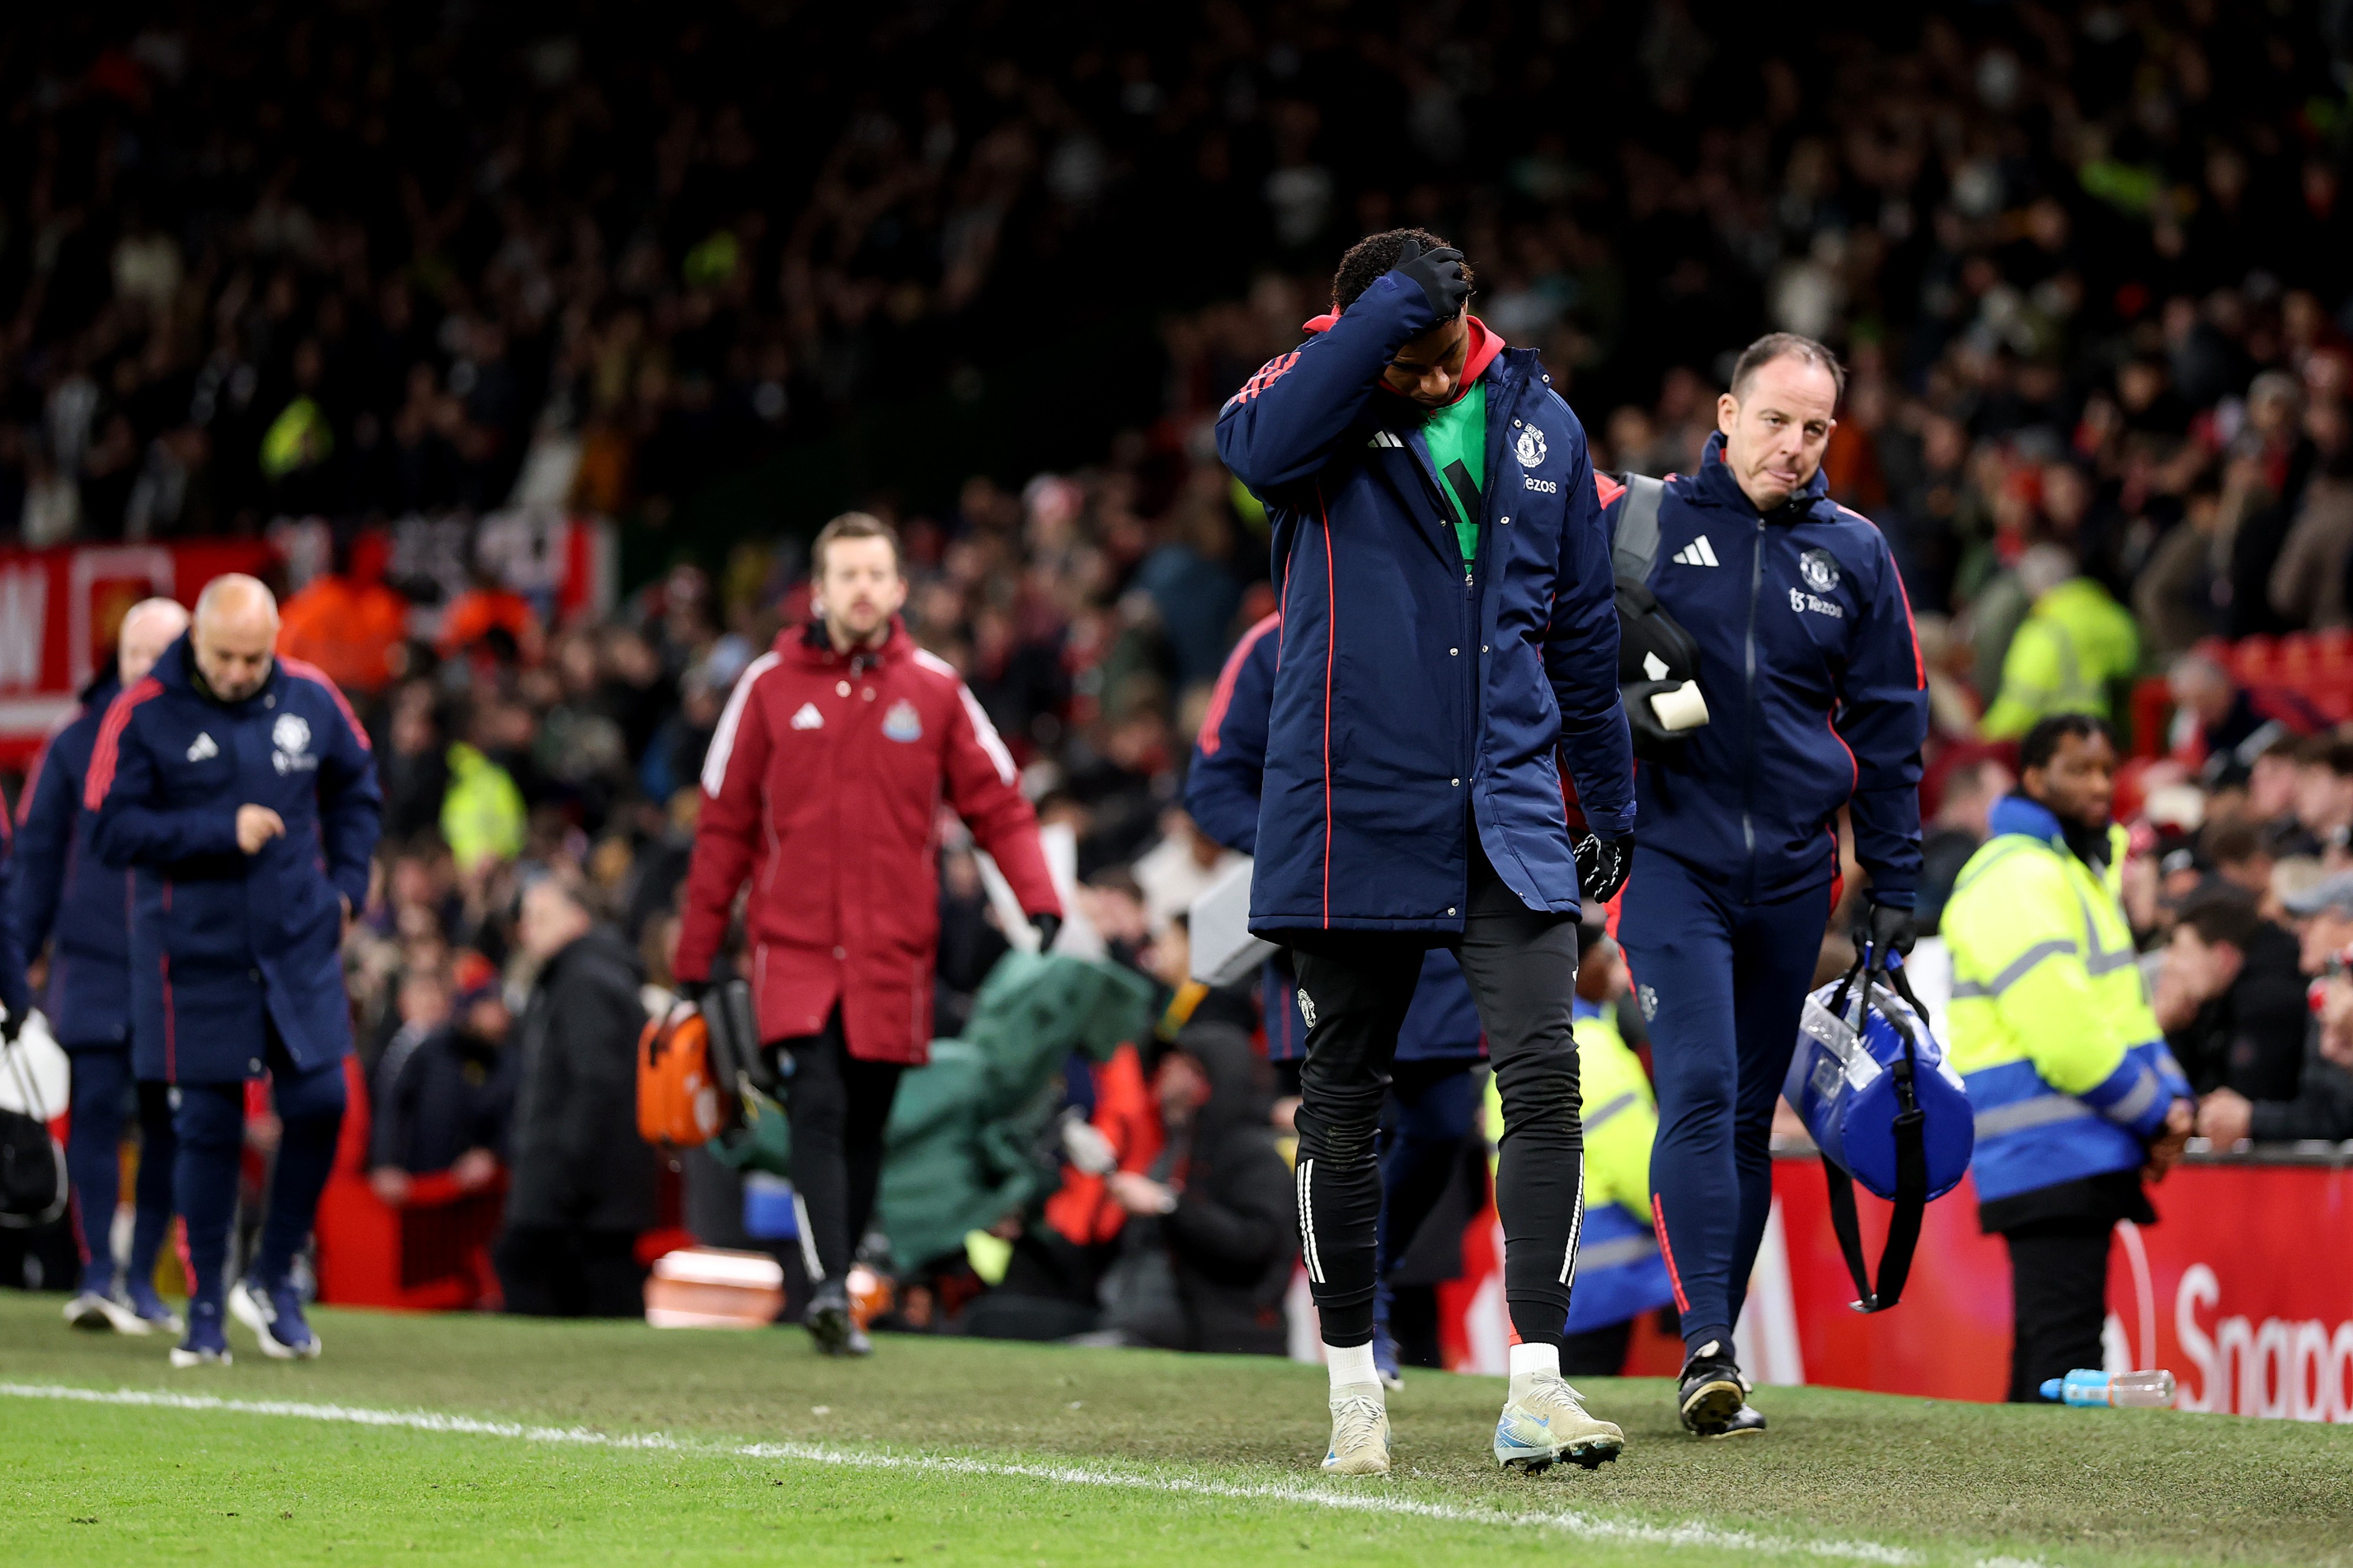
(1711, 1393)
(1747, 1422)
(829, 1324)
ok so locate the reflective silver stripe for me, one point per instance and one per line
(2039, 1111)
(1625, 1249)
(2013, 972)
(2136, 1101)
(2099, 960)
(809, 1241)
(1595, 1120)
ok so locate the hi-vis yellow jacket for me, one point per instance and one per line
(2050, 1026)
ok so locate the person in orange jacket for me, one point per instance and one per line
(348, 621)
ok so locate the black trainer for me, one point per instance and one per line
(1711, 1392)
(829, 1324)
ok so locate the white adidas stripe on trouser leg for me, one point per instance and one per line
(1309, 1253)
(1575, 1225)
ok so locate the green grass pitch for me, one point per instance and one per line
(495, 1441)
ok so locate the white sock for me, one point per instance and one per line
(1351, 1363)
(1534, 1361)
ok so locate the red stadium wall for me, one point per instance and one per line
(2244, 1289)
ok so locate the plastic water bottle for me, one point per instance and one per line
(2125, 1390)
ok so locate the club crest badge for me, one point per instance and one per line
(902, 722)
(1530, 447)
(289, 739)
(1820, 568)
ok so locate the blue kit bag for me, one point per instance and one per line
(1871, 1083)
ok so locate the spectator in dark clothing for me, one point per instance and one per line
(2230, 997)
(1971, 788)
(2322, 1107)
(443, 1097)
(2236, 724)
(583, 1181)
(1206, 1251)
(413, 766)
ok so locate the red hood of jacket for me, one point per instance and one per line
(1484, 346)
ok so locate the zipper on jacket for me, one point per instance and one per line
(1748, 775)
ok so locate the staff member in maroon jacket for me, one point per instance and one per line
(822, 786)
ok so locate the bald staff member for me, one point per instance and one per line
(238, 789)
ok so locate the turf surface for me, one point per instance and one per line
(968, 1452)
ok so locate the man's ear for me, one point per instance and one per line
(1727, 413)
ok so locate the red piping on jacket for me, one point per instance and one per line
(105, 754)
(303, 670)
(1222, 696)
(1330, 649)
(171, 1034)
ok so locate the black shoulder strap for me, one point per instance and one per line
(1636, 548)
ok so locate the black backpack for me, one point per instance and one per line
(33, 1187)
(1654, 651)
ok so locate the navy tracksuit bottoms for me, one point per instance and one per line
(1723, 983)
(102, 1096)
(210, 1121)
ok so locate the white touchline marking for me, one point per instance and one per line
(1574, 1523)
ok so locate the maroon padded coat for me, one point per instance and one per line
(822, 787)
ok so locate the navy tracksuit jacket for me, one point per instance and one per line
(220, 940)
(15, 995)
(66, 898)
(1221, 791)
(1817, 700)
(1413, 696)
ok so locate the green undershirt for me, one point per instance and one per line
(1457, 433)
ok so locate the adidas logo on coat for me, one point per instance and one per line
(1698, 553)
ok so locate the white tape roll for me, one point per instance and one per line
(1680, 707)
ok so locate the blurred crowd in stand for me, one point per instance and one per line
(2085, 264)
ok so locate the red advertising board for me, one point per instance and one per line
(60, 610)
(2244, 1290)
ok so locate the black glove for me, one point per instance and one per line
(1888, 930)
(692, 992)
(1654, 742)
(1047, 927)
(1602, 864)
(1438, 273)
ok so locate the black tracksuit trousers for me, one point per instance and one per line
(2059, 1298)
(837, 1106)
(1521, 968)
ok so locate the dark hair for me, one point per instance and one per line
(2232, 842)
(854, 525)
(2042, 743)
(2222, 915)
(1794, 345)
(1376, 253)
(2334, 753)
